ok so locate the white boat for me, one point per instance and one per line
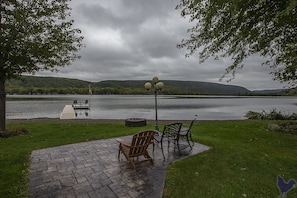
(80, 105)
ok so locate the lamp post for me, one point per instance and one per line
(157, 87)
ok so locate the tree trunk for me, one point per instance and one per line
(2, 104)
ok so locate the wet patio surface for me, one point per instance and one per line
(92, 169)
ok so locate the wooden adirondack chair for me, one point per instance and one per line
(137, 148)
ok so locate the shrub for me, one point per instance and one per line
(272, 115)
(288, 127)
(13, 132)
(251, 115)
(293, 116)
(275, 115)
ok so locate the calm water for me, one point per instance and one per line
(128, 106)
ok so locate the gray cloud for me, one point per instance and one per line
(136, 39)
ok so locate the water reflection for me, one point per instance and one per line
(82, 113)
(128, 106)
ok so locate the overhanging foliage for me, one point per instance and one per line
(241, 28)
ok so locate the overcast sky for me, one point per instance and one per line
(136, 40)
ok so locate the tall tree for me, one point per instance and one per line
(240, 28)
(34, 35)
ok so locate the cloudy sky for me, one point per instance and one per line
(136, 40)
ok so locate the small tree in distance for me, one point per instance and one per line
(34, 35)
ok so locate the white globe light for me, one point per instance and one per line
(148, 86)
(159, 85)
(155, 80)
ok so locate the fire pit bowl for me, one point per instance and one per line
(135, 122)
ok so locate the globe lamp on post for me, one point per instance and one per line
(157, 86)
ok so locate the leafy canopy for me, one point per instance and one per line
(36, 35)
(240, 28)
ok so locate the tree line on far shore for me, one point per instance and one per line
(50, 85)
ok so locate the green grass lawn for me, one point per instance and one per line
(244, 161)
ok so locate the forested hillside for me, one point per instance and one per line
(52, 85)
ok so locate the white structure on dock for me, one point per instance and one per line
(80, 105)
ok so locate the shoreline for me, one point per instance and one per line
(98, 121)
(81, 121)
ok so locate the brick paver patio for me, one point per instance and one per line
(92, 169)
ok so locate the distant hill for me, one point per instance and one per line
(184, 87)
(43, 82)
(54, 85)
(206, 87)
(49, 85)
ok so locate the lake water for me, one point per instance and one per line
(134, 106)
